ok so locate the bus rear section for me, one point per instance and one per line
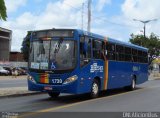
(127, 63)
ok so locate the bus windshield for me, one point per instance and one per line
(53, 55)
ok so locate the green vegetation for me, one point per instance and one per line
(3, 10)
(25, 46)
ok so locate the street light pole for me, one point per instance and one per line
(89, 15)
(144, 30)
(145, 22)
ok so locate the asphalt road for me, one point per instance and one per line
(146, 98)
(8, 81)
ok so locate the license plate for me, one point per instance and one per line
(47, 88)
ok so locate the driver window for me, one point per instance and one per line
(85, 50)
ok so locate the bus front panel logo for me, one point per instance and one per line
(96, 68)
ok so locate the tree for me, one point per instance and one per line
(152, 43)
(25, 46)
(3, 12)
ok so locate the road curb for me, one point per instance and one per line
(20, 95)
(154, 79)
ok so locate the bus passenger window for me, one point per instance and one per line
(145, 57)
(111, 51)
(120, 56)
(85, 50)
(128, 56)
(134, 55)
(140, 56)
(97, 49)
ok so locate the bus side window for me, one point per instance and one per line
(128, 54)
(103, 51)
(145, 55)
(85, 50)
(134, 55)
(140, 57)
(97, 49)
(111, 51)
(120, 56)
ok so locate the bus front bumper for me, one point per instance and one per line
(66, 88)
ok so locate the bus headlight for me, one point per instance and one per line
(70, 79)
(31, 79)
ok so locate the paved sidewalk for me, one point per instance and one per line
(16, 90)
(154, 76)
(11, 77)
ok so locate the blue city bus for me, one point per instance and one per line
(75, 61)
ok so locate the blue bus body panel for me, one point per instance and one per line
(82, 85)
(68, 88)
(88, 73)
(121, 74)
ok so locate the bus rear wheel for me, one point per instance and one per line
(95, 89)
(53, 94)
(133, 85)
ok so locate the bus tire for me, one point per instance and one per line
(95, 89)
(53, 94)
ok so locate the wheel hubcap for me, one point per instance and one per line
(133, 84)
(95, 88)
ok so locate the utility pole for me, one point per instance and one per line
(89, 15)
(82, 14)
(145, 22)
(144, 30)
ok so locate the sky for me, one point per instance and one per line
(111, 18)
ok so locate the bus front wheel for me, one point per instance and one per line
(53, 94)
(95, 89)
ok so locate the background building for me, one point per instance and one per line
(16, 57)
(5, 44)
